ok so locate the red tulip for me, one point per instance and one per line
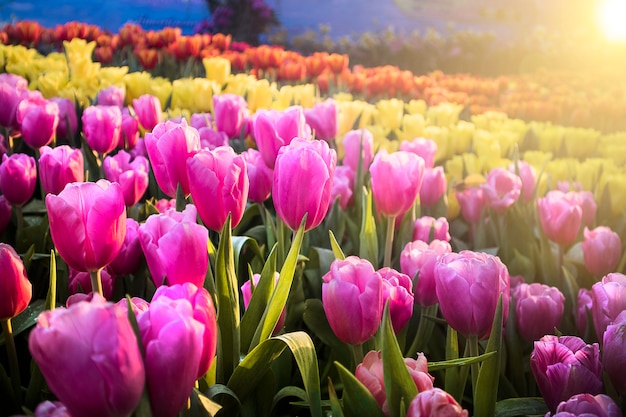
(15, 288)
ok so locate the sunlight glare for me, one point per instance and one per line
(612, 17)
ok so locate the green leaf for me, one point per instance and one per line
(51, 298)
(368, 237)
(6, 391)
(357, 400)
(315, 319)
(227, 399)
(26, 319)
(399, 385)
(336, 248)
(244, 242)
(512, 407)
(437, 366)
(289, 392)
(335, 405)
(202, 406)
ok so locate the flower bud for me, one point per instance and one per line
(602, 250)
(538, 309)
(18, 177)
(15, 288)
(60, 166)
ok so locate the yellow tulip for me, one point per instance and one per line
(538, 159)
(348, 113)
(183, 92)
(162, 89)
(412, 126)
(50, 83)
(217, 69)
(486, 145)
(440, 135)
(113, 75)
(561, 169)
(416, 107)
(580, 143)
(304, 95)
(137, 84)
(78, 47)
(473, 164)
(178, 112)
(614, 147)
(588, 171)
(390, 113)
(549, 137)
(444, 114)
(239, 84)
(203, 95)
(260, 95)
(343, 97)
(369, 115)
(461, 136)
(454, 209)
(380, 134)
(386, 144)
(455, 169)
(615, 185)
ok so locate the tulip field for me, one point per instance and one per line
(196, 227)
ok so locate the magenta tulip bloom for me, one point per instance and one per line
(246, 292)
(230, 112)
(129, 258)
(137, 305)
(370, 374)
(5, 213)
(175, 247)
(80, 282)
(148, 110)
(396, 181)
(434, 186)
(565, 366)
(18, 177)
(538, 309)
(129, 133)
(303, 180)
(111, 96)
(218, 181)
(165, 204)
(169, 145)
(609, 300)
(587, 204)
(560, 217)
(398, 291)
(132, 176)
(211, 139)
(427, 226)
(88, 223)
(60, 166)
(15, 288)
(102, 126)
(426, 148)
(418, 260)
(95, 368)
(68, 121)
(614, 352)
(173, 342)
(472, 202)
(602, 250)
(528, 176)
(199, 120)
(10, 97)
(587, 405)
(355, 142)
(273, 130)
(584, 303)
(343, 184)
(203, 312)
(468, 286)
(323, 119)
(352, 294)
(435, 402)
(502, 189)
(38, 121)
(50, 409)
(260, 176)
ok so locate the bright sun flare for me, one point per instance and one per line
(612, 16)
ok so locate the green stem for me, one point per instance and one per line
(391, 220)
(96, 281)
(20, 223)
(559, 266)
(357, 352)
(13, 364)
(424, 330)
(472, 342)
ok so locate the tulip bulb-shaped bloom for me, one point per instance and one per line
(560, 217)
(5, 213)
(129, 258)
(565, 366)
(528, 176)
(435, 402)
(323, 119)
(426, 148)
(102, 126)
(587, 405)
(111, 96)
(352, 295)
(38, 121)
(218, 182)
(211, 139)
(434, 186)
(502, 189)
(260, 176)
(18, 177)
(59, 166)
(131, 176)
(15, 288)
(80, 282)
(396, 181)
(418, 260)
(357, 142)
(472, 202)
(148, 110)
(95, 368)
(614, 352)
(230, 112)
(130, 132)
(398, 291)
(343, 184)
(427, 226)
(175, 247)
(68, 122)
(609, 300)
(602, 249)
(468, 286)
(303, 180)
(273, 130)
(88, 223)
(247, 290)
(538, 309)
(584, 302)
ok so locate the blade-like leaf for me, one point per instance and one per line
(335, 405)
(357, 400)
(512, 407)
(335, 246)
(26, 319)
(437, 366)
(202, 406)
(51, 298)
(289, 392)
(368, 248)
(241, 242)
(315, 319)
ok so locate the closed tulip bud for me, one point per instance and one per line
(111, 96)
(203, 312)
(102, 126)
(426, 148)
(173, 342)
(129, 133)
(528, 176)
(468, 286)
(137, 305)
(587, 405)
(148, 110)
(80, 282)
(614, 352)
(560, 217)
(15, 288)
(428, 228)
(418, 260)
(434, 186)
(343, 184)
(38, 121)
(602, 250)
(435, 402)
(357, 142)
(247, 290)
(370, 373)
(260, 176)
(5, 213)
(68, 122)
(199, 120)
(502, 189)
(60, 166)
(608, 301)
(175, 247)
(87, 223)
(218, 182)
(230, 112)
(323, 119)
(18, 177)
(472, 202)
(587, 204)
(584, 303)
(273, 130)
(352, 295)
(169, 145)
(96, 367)
(396, 180)
(129, 258)
(131, 176)
(51, 409)
(398, 291)
(217, 69)
(538, 309)
(565, 366)
(165, 204)
(10, 96)
(211, 139)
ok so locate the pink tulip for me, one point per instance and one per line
(218, 182)
(396, 181)
(323, 119)
(211, 139)
(148, 110)
(60, 166)
(370, 373)
(418, 260)
(137, 305)
(10, 97)
(203, 312)
(398, 291)
(602, 250)
(111, 96)
(426, 148)
(608, 301)
(614, 352)
(565, 366)
(68, 122)
(95, 368)
(260, 176)
(427, 226)
(80, 282)
(355, 142)
(102, 126)
(200, 120)
(130, 256)
(472, 202)
(468, 286)
(435, 402)
(434, 186)
(587, 204)
(5, 213)
(175, 247)
(247, 290)
(15, 288)
(50, 409)
(87, 223)
(173, 343)
(584, 303)
(502, 189)
(587, 405)
(273, 130)
(169, 145)
(38, 121)
(303, 179)
(343, 184)
(528, 175)
(352, 295)
(129, 133)
(230, 112)
(18, 177)
(131, 176)
(165, 204)
(560, 217)
(538, 309)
